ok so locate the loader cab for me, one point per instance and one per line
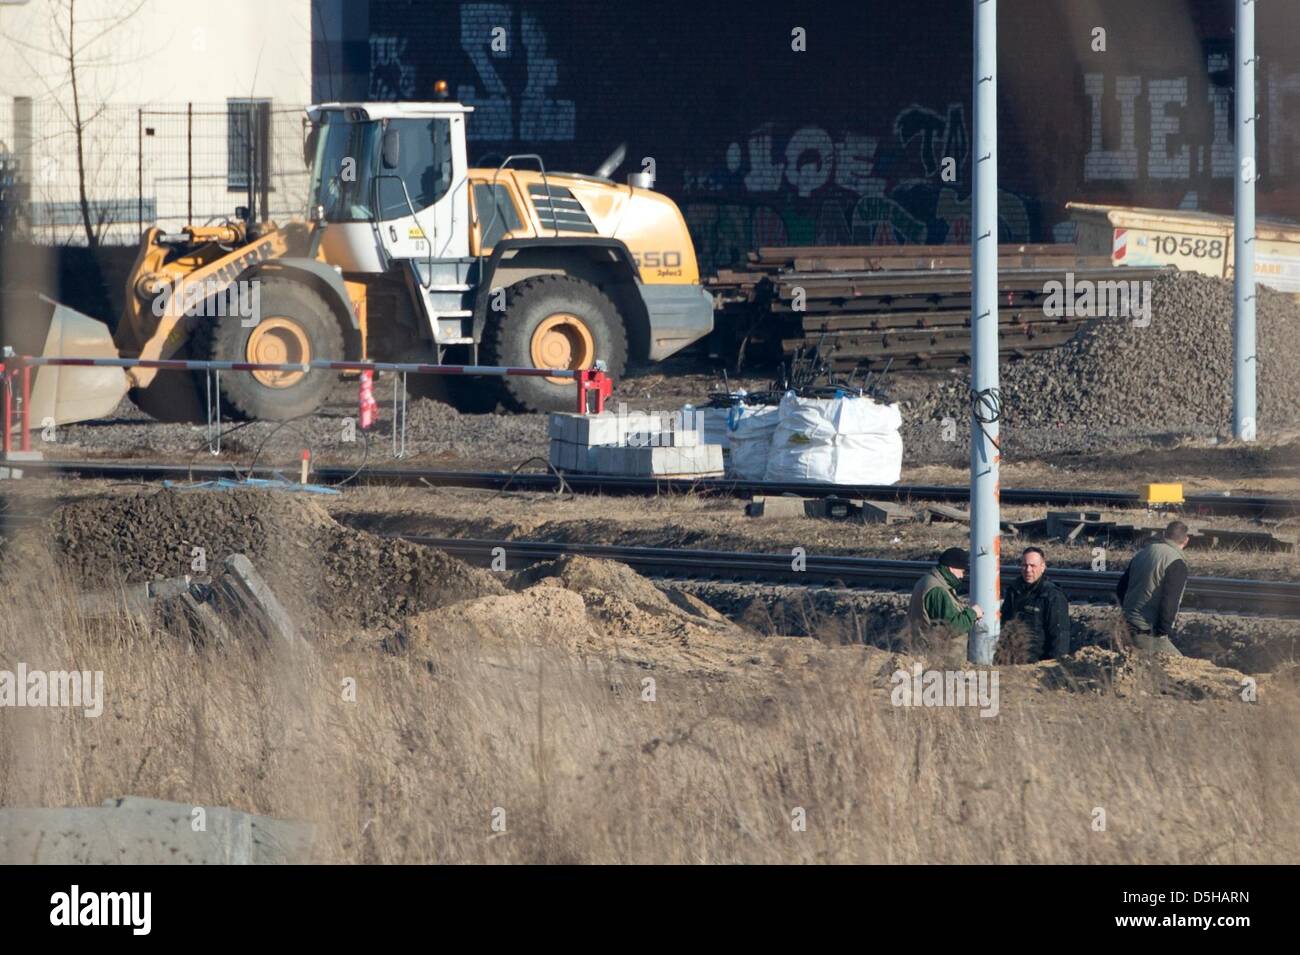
(390, 180)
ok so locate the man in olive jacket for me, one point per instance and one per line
(1151, 590)
(935, 603)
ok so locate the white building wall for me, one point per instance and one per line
(154, 86)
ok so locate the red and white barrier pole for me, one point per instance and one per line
(27, 407)
(586, 379)
(369, 407)
(6, 379)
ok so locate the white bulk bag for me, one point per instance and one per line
(750, 435)
(848, 440)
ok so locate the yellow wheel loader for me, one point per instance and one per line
(406, 254)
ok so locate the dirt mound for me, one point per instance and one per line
(599, 606)
(543, 613)
(1173, 374)
(330, 573)
(154, 534)
(1124, 674)
(585, 573)
(1252, 645)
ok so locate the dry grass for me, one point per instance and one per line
(587, 771)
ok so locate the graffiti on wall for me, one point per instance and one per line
(812, 188)
(1170, 152)
(490, 35)
(392, 75)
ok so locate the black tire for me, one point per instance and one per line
(466, 395)
(227, 340)
(174, 396)
(507, 340)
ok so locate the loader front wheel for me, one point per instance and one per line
(554, 321)
(172, 396)
(296, 325)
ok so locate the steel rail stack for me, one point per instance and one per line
(908, 307)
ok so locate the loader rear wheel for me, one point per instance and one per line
(296, 325)
(466, 394)
(554, 321)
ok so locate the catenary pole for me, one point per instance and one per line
(1244, 366)
(985, 525)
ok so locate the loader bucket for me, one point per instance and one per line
(67, 394)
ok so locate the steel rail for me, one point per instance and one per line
(1223, 594)
(1207, 504)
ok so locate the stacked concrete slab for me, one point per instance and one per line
(138, 831)
(633, 444)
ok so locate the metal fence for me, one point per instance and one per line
(144, 166)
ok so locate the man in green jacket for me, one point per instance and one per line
(935, 604)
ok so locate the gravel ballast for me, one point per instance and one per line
(1171, 375)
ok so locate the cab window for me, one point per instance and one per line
(423, 166)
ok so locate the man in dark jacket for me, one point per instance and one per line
(935, 604)
(1151, 590)
(1039, 608)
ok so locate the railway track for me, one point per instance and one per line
(1196, 504)
(1223, 594)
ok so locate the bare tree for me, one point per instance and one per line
(76, 41)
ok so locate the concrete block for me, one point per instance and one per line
(609, 460)
(942, 512)
(664, 439)
(702, 459)
(659, 461)
(602, 429)
(208, 625)
(135, 830)
(555, 426)
(7, 472)
(242, 590)
(886, 512)
(559, 426)
(785, 505)
(572, 457)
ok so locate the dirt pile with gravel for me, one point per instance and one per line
(1173, 374)
(600, 606)
(333, 574)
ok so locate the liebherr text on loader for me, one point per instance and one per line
(406, 254)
